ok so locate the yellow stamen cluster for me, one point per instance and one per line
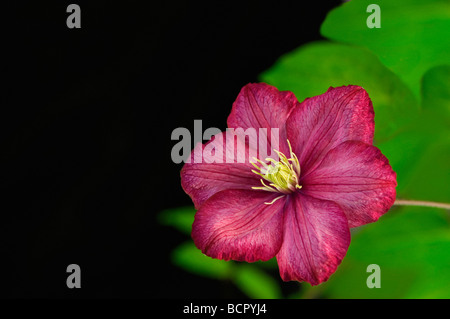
(283, 174)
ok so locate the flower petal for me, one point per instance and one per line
(323, 122)
(260, 105)
(238, 225)
(316, 239)
(222, 163)
(356, 176)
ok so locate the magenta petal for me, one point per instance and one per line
(208, 174)
(260, 105)
(323, 122)
(316, 239)
(238, 225)
(358, 178)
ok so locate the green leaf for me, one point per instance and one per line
(429, 178)
(191, 259)
(252, 280)
(255, 282)
(410, 244)
(349, 282)
(412, 39)
(436, 91)
(313, 68)
(181, 218)
(420, 152)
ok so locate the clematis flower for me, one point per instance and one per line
(299, 205)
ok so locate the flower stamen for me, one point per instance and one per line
(277, 198)
(283, 175)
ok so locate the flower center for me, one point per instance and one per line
(283, 174)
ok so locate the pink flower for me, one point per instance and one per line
(298, 206)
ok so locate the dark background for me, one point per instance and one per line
(86, 122)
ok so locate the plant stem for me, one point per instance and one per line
(421, 203)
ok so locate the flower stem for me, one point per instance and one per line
(421, 203)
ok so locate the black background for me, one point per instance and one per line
(86, 122)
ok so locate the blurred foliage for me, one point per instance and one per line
(181, 218)
(313, 68)
(412, 39)
(251, 279)
(410, 244)
(405, 68)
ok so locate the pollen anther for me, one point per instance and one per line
(283, 175)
